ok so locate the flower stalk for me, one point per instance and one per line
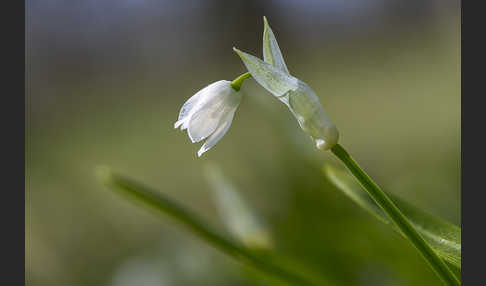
(236, 84)
(387, 205)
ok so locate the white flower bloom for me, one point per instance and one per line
(209, 113)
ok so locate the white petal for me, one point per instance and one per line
(188, 106)
(179, 123)
(271, 51)
(217, 135)
(217, 102)
(204, 121)
(182, 123)
(185, 124)
(202, 126)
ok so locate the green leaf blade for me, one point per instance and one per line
(155, 200)
(444, 237)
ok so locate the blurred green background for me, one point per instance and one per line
(106, 80)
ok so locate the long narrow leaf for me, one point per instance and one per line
(157, 201)
(444, 237)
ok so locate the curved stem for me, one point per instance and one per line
(159, 202)
(236, 84)
(437, 264)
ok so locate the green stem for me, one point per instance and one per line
(437, 264)
(163, 204)
(236, 84)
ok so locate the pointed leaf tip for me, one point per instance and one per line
(271, 50)
(270, 77)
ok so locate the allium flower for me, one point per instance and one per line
(209, 113)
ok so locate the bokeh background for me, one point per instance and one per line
(106, 80)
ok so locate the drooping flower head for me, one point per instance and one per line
(209, 113)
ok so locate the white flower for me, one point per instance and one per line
(209, 113)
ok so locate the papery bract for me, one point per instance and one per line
(302, 101)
